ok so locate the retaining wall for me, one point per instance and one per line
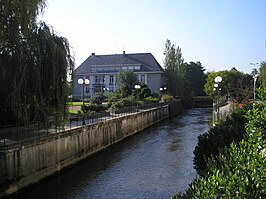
(32, 160)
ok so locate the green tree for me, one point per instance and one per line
(194, 74)
(235, 84)
(209, 85)
(17, 20)
(144, 91)
(34, 65)
(182, 79)
(262, 75)
(126, 80)
(173, 65)
(238, 85)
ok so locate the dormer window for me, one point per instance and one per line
(137, 68)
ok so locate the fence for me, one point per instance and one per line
(13, 134)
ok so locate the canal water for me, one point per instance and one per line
(156, 163)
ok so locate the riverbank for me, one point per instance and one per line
(156, 163)
(35, 159)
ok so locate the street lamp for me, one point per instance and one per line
(163, 89)
(82, 82)
(137, 87)
(255, 75)
(217, 81)
(214, 105)
(105, 89)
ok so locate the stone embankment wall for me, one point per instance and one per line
(32, 160)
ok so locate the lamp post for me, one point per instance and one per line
(214, 106)
(217, 81)
(255, 75)
(82, 82)
(105, 89)
(137, 87)
(214, 89)
(163, 89)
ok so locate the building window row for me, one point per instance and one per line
(99, 79)
(114, 68)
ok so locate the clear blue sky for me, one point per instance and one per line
(218, 33)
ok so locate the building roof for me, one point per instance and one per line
(139, 62)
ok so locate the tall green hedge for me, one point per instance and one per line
(223, 134)
(239, 171)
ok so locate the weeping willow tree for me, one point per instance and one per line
(34, 65)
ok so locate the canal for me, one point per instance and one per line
(155, 163)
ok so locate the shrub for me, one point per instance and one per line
(94, 107)
(239, 171)
(150, 100)
(112, 97)
(123, 103)
(144, 91)
(97, 99)
(117, 105)
(129, 101)
(168, 99)
(222, 135)
(156, 95)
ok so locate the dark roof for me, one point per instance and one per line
(146, 60)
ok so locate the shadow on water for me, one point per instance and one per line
(155, 163)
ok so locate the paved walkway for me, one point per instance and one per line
(225, 108)
(223, 112)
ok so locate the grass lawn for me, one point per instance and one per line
(74, 112)
(76, 103)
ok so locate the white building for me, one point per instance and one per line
(102, 70)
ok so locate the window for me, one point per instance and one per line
(142, 78)
(111, 79)
(99, 79)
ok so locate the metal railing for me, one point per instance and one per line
(16, 134)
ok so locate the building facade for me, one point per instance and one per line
(102, 70)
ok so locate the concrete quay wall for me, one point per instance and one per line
(33, 160)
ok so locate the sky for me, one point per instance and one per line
(221, 34)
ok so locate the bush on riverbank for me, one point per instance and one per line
(218, 137)
(239, 171)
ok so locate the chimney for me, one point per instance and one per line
(92, 54)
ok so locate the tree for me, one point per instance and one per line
(262, 75)
(182, 79)
(172, 64)
(17, 20)
(144, 91)
(194, 74)
(235, 84)
(126, 80)
(34, 65)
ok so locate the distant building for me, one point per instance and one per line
(102, 70)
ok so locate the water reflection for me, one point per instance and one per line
(153, 164)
